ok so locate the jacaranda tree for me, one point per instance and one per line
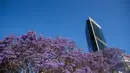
(31, 54)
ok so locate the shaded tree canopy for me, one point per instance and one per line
(32, 54)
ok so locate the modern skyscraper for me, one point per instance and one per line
(94, 35)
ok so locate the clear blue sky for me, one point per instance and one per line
(67, 18)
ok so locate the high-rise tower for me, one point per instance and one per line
(94, 35)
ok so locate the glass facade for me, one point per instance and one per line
(95, 38)
(101, 45)
(98, 32)
(90, 38)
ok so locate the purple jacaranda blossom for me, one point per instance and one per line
(51, 64)
(8, 51)
(37, 62)
(69, 67)
(17, 53)
(79, 71)
(29, 51)
(61, 64)
(2, 45)
(10, 56)
(1, 54)
(1, 58)
(66, 71)
(55, 55)
(87, 69)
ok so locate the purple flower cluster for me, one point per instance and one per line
(47, 55)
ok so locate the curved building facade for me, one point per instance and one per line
(94, 35)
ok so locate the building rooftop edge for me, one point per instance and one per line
(89, 18)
